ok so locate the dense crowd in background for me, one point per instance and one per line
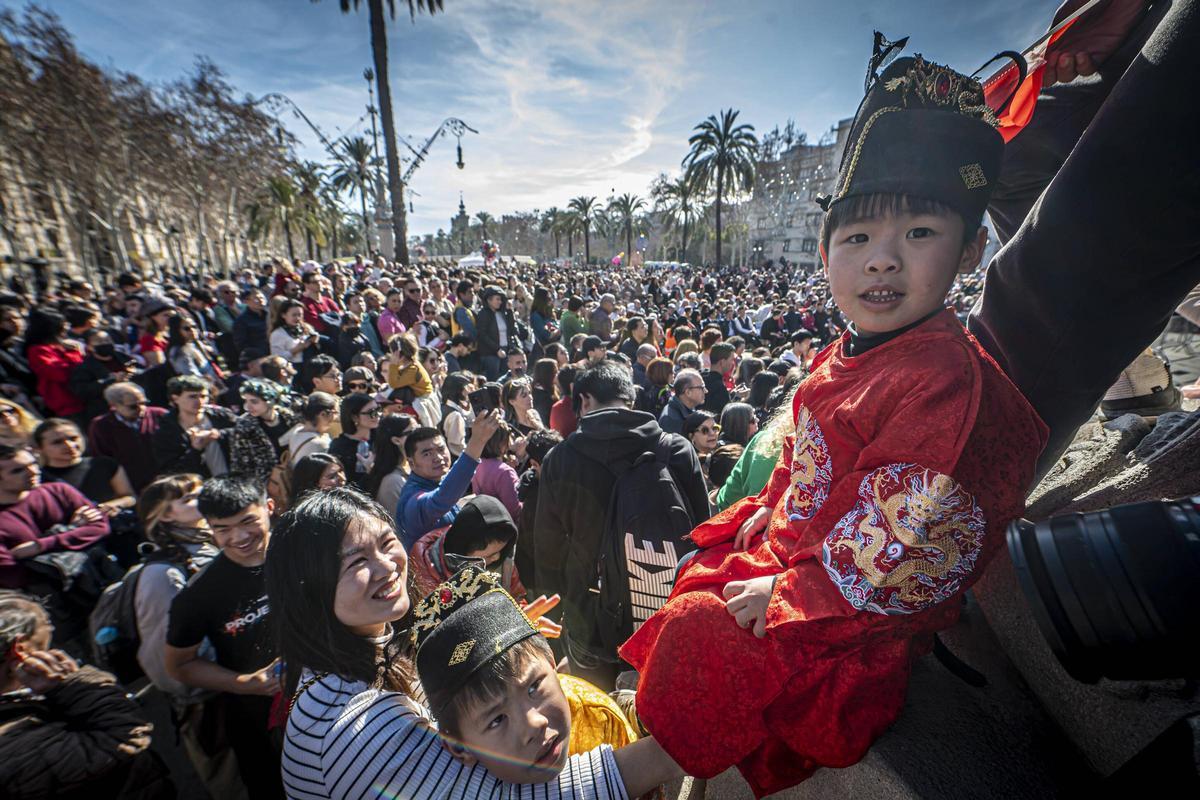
(151, 429)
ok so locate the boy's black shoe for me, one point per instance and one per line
(1145, 388)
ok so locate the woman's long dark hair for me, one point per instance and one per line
(388, 455)
(541, 302)
(761, 387)
(284, 307)
(45, 327)
(175, 331)
(735, 423)
(302, 570)
(455, 387)
(306, 475)
(545, 370)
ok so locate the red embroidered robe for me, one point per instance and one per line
(907, 463)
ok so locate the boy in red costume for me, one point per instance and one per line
(912, 452)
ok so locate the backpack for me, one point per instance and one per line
(644, 537)
(112, 625)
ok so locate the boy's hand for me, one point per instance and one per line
(535, 611)
(751, 527)
(747, 602)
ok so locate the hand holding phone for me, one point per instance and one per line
(481, 401)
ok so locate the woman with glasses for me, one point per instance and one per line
(360, 417)
(429, 331)
(16, 424)
(320, 374)
(435, 366)
(187, 355)
(701, 429)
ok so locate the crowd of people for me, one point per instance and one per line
(153, 433)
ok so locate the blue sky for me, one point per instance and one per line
(570, 96)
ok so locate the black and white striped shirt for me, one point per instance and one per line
(347, 740)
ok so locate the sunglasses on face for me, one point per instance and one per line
(374, 412)
(358, 386)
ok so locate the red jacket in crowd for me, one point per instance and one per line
(52, 364)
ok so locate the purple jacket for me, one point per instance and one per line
(497, 479)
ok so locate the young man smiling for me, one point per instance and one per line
(226, 605)
(430, 496)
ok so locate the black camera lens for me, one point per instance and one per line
(1114, 591)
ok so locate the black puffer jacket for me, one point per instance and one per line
(575, 490)
(487, 332)
(84, 739)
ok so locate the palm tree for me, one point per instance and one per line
(353, 174)
(484, 219)
(586, 208)
(308, 177)
(332, 217)
(375, 11)
(626, 206)
(568, 224)
(275, 203)
(675, 201)
(550, 224)
(722, 158)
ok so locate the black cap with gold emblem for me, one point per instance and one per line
(465, 623)
(923, 130)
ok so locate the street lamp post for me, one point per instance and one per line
(383, 216)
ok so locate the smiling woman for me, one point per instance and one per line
(337, 579)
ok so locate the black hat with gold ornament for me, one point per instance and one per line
(461, 626)
(922, 130)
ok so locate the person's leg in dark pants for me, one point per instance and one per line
(1111, 246)
(258, 758)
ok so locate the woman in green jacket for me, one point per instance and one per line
(758, 460)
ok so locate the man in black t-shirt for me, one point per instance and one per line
(226, 604)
